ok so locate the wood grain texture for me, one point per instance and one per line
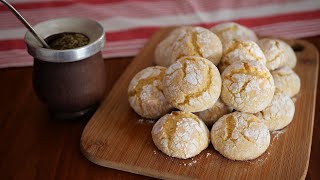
(114, 137)
(314, 163)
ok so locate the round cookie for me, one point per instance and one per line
(145, 93)
(279, 112)
(192, 84)
(229, 31)
(180, 134)
(247, 86)
(275, 52)
(188, 41)
(241, 51)
(291, 56)
(286, 80)
(240, 136)
(211, 115)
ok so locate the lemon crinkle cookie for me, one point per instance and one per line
(291, 60)
(145, 93)
(286, 80)
(211, 115)
(240, 136)
(241, 51)
(229, 31)
(188, 41)
(279, 112)
(192, 84)
(180, 134)
(277, 53)
(247, 86)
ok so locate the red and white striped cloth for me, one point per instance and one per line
(129, 23)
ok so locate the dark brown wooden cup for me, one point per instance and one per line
(70, 82)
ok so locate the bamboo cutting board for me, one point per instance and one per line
(116, 137)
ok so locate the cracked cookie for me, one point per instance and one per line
(241, 51)
(247, 86)
(188, 41)
(240, 136)
(279, 112)
(145, 93)
(275, 52)
(192, 84)
(229, 31)
(291, 61)
(286, 80)
(211, 115)
(180, 134)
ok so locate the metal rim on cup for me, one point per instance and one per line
(92, 29)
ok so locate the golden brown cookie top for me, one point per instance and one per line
(192, 84)
(188, 41)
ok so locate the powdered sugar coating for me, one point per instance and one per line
(192, 84)
(211, 115)
(241, 51)
(274, 51)
(229, 31)
(247, 86)
(180, 134)
(279, 113)
(188, 41)
(286, 80)
(145, 93)
(240, 136)
(291, 56)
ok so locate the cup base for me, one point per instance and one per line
(72, 115)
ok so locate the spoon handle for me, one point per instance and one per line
(25, 23)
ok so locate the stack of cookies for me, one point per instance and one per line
(224, 79)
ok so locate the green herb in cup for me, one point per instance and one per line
(67, 40)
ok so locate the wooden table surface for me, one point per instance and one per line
(34, 146)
